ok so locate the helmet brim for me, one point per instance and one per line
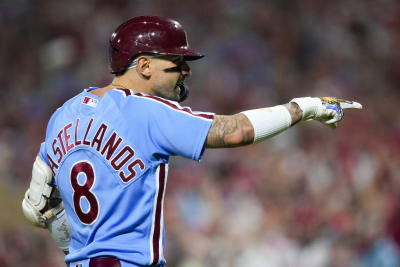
(187, 53)
(191, 58)
(192, 55)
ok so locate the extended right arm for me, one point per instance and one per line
(237, 130)
(254, 126)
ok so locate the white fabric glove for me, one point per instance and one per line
(328, 110)
(60, 229)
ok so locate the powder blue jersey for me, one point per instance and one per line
(110, 159)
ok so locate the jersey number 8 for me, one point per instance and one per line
(83, 190)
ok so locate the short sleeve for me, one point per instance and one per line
(178, 130)
(43, 153)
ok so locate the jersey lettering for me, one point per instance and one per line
(77, 142)
(67, 137)
(100, 132)
(61, 141)
(132, 170)
(56, 151)
(111, 146)
(118, 166)
(86, 134)
(124, 160)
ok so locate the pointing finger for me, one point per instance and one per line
(349, 104)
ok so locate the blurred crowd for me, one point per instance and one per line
(311, 197)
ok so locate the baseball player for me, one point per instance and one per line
(99, 179)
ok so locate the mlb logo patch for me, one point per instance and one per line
(90, 101)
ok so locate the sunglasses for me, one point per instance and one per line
(178, 60)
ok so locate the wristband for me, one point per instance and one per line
(268, 122)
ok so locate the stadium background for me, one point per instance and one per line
(309, 197)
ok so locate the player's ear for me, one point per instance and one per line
(144, 66)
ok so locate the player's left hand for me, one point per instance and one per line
(327, 110)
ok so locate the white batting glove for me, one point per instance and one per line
(328, 110)
(59, 227)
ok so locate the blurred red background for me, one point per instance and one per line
(311, 196)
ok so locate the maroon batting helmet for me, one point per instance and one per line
(148, 34)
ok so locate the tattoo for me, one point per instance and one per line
(230, 131)
(237, 130)
(295, 112)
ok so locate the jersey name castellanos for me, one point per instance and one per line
(110, 159)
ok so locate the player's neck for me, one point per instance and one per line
(134, 83)
(124, 83)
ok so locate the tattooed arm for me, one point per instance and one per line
(237, 130)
